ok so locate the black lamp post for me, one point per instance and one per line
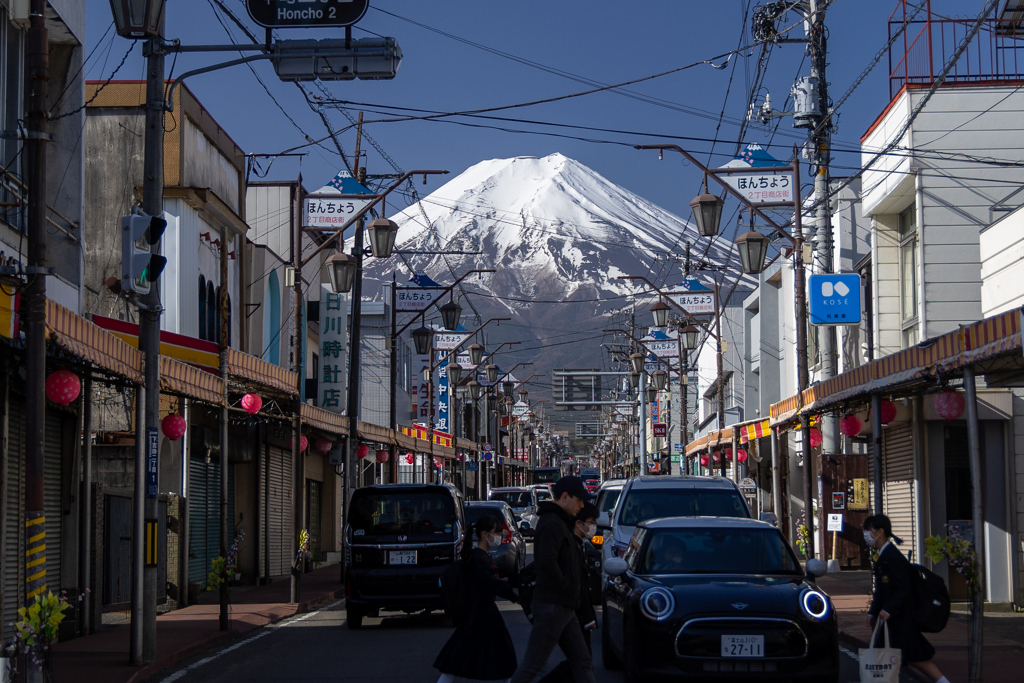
(492, 373)
(507, 388)
(707, 214)
(634, 379)
(660, 312)
(523, 393)
(476, 354)
(690, 336)
(451, 313)
(422, 338)
(454, 372)
(137, 18)
(475, 389)
(659, 378)
(752, 247)
(341, 268)
(382, 237)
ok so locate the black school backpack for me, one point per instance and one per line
(454, 594)
(931, 611)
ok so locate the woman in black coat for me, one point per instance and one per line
(481, 647)
(893, 600)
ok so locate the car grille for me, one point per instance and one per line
(703, 637)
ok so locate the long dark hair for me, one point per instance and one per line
(484, 525)
(883, 524)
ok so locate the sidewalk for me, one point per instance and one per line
(103, 656)
(1003, 654)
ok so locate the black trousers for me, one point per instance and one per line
(563, 672)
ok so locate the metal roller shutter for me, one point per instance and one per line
(197, 569)
(279, 511)
(53, 454)
(898, 491)
(12, 548)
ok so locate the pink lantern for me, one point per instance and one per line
(324, 446)
(251, 403)
(173, 426)
(438, 461)
(815, 436)
(303, 443)
(63, 387)
(704, 460)
(950, 405)
(362, 450)
(887, 411)
(717, 456)
(741, 455)
(382, 456)
(409, 458)
(850, 425)
(728, 454)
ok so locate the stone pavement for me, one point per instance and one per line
(103, 656)
(1003, 652)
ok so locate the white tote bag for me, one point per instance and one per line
(879, 664)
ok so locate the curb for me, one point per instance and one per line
(856, 643)
(172, 659)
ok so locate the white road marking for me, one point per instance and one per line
(265, 631)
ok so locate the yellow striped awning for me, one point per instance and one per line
(181, 378)
(755, 430)
(260, 371)
(86, 340)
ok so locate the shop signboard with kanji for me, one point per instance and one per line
(332, 382)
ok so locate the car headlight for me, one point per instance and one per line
(815, 604)
(657, 604)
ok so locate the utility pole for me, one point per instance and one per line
(37, 49)
(225, 522)
(149, 335)
(298, 332)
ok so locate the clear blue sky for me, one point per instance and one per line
(602, 40)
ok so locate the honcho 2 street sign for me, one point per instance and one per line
(306, 13)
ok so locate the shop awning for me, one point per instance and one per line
(187, 380)
(257, 370)
(754, 430)
(372, 432)
(709, 440)
(324, 420)
(86, 340)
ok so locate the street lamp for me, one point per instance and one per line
(659, 378)
(660, 312)
(475, 389)
(707, 213)
(634, 379)
(382, 237)
(454, 372)
(752, 247)
(652, 395)
(507, 387)
(637, 359)
(476, 354)
(341, 268)
(523, 393)
(690, 336)
(492, 373)
(451, 313)
(137, 18)
(422, 338)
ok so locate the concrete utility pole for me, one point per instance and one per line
(149, 331)
(37, 48)
(298, 332)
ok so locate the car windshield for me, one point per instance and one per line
(374, 513)
(717, 551)
(642, 505)
(517, 499)
(475, 512)
(543, 494)
(606, 499)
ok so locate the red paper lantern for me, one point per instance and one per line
(741, 455)
(251, 403)
(303, 443)
(815, 435)
(362, 450)
(324, 446)
(382, 456)
(63, 387)
(850, 425)
(438, 461)
(950, 405)
(704, 460)
(173, 426)
(409, 458)
(717, 456)
(887, 411)
(728, 454)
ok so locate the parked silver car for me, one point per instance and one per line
(523, 500)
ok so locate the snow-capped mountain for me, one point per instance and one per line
(554, 231)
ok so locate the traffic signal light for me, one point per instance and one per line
(140, 266)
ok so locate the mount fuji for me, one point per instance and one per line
(558, 235)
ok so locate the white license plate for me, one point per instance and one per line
(402, 557)
(743, 646)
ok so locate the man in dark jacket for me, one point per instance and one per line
(586, 525)
(560, 574)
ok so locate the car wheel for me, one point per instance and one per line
(354, 618)
(608, 658)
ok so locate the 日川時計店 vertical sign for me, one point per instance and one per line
(333, 379)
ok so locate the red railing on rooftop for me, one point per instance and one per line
(995, 55)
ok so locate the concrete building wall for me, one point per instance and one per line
(1002, 264)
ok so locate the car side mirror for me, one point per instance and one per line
(615, 566)
(769, 517)
(603, 520)
(816, 568)
(524, 526)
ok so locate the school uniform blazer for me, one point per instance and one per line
(893, 587)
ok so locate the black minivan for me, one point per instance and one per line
(398, 541)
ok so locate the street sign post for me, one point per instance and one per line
(695, 303)
(760, 188)
(446, 341)
(307, 13)
(748, 487)
(834, 299)
(835, 522)
(332, 211)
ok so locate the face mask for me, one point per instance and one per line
(494, 539)
(589, 531)
(869, 539)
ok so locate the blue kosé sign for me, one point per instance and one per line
(834, 299)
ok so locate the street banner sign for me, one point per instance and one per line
(748, 487)
(446, 341)
(761, 188)
(834, 299)
(660, 431)
(332, 383)
(331, 211)
(415, 299)
(306, 13)
(663, 348)
(694, 298)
